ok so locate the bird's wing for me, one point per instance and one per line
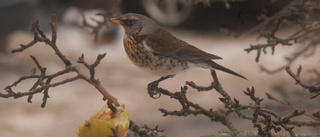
(163, 43)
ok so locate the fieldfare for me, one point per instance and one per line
(155, 50)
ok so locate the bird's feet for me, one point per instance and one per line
(153, 87)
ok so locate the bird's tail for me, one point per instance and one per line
(224, 69)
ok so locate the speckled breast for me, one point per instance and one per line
(155, 64)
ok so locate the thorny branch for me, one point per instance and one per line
(44, 80)
(298, 13)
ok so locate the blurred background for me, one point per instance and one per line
(215, 17)
(214, 26)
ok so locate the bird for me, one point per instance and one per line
(152, 48)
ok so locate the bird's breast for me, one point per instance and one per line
(144, 58)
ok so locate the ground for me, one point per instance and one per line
(71, 104)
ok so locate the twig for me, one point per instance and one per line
(44, 80)
(304, 18)
(289, 105)
(190, 108)
(145, 131)
(313, 89)
(292, 59)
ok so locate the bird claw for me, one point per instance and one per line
(153, 93)
(152, 90)
(153, 87)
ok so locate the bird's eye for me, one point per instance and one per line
(129, 21)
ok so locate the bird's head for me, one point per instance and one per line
(136, 24)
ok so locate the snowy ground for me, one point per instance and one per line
(71, 104)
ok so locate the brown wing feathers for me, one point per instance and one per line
(164, 43)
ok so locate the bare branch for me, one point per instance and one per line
(313, 89)
(43, 83)
(297, 13)
(145, 131)
(289, 105)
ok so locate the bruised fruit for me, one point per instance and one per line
(102, 123)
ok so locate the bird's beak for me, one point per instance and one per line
(115, 20)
